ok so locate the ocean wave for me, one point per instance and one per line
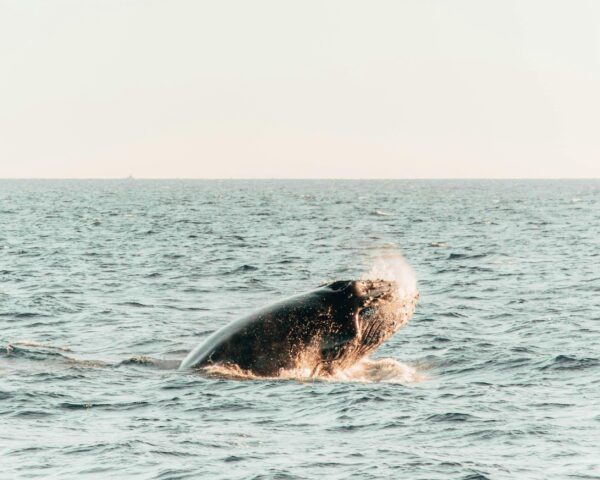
(569, 362)
(144, 360)
(380, 213)
(466, 256)
(39, 352)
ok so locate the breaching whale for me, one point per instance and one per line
(329, 328)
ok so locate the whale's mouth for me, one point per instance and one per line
(379, 304)
(384, 311)
(382, 302)
(387, 313)
(381, 309)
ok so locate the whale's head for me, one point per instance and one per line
(369, 312)
(382, 308)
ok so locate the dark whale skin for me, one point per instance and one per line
(332, 326)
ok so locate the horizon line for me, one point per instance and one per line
(132, 178)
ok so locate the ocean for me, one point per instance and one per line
(106, 285)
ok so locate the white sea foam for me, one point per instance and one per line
(367, 370)
(380, 370)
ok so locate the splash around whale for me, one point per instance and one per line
(322, 331)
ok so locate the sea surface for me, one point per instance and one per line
(105, 286)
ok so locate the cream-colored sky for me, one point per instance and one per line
(342, 89)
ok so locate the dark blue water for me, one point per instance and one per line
(106, 285)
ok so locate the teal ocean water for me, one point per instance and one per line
(106, 285)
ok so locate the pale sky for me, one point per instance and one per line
(309, 89)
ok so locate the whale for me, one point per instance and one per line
(331, 327)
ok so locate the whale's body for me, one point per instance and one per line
(330, 327)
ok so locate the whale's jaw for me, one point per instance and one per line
(381, 311)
